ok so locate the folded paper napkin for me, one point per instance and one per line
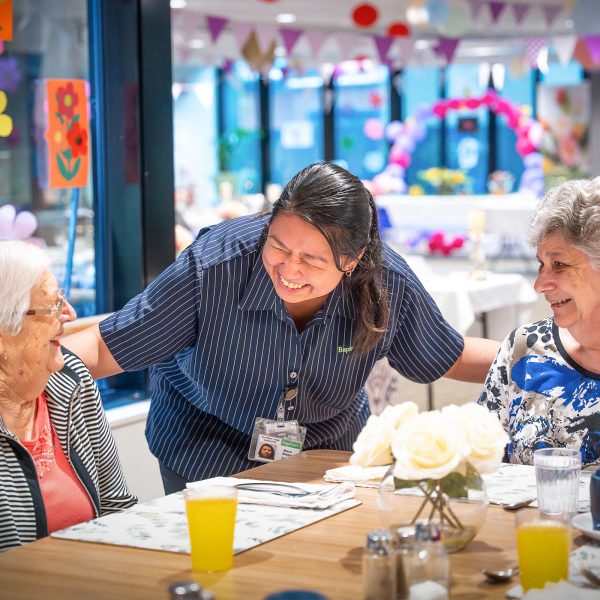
(318, 496)
(361, 476)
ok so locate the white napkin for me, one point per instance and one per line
(322, 496)
(361, 476)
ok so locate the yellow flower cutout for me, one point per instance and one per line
(6, 123)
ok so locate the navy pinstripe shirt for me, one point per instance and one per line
(223, 348)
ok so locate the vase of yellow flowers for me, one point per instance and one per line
(445, 181)
(437, 459)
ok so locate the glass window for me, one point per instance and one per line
(421, 88)
(362, 109)
(467, 129)
(518, 88)
(296, 122)
(239, 142)
(50, 42)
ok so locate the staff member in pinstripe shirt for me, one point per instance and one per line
(307, 297)
(58, 460)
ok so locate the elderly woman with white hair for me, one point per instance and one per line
(58, 460)
(545, 381)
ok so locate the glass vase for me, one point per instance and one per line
(457, 501)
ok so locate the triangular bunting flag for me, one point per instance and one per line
(289, 37)
(593, 45)
(446, 47)
(383, 44)
(347, 43)
(551, 11)
(241, 32)
(406, 47)
(564, 46)
(315, 40)
(520, 11)
(265, 34)
(533, 45)
(215, 26)
(496, 9)
(476, 6)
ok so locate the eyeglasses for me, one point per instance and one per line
(56, 309)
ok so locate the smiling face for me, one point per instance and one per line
(568, 283)
(300, 262)
(34, 353)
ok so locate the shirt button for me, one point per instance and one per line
(293, 375)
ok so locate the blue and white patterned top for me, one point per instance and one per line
(542, 396)
(224, 348)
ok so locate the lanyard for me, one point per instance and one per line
(289, 393)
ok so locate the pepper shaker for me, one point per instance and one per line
(404, 541)
(379, 568)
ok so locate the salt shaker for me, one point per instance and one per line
(404, 541)
(379, 567)
(429, 566)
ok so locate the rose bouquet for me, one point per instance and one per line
(438, 455)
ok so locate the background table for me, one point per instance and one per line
(325, 556)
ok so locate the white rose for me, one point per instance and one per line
(483, 433)
(427, 447)
(372, 447)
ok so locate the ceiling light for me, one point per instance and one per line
(197, 43)
(417, 16)
(423, 44)
(178, 3)
(286, 18)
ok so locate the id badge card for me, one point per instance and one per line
(273, 440)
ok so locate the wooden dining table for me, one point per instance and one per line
(324, 556)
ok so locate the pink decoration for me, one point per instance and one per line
(551, 11)
(473, 103)
(399, 157)
(438, 243)
(446, 47)
(15, 226)
(593, 45)
(393, 130)
(476, 6)
(439, 110)
(383, 44)
(374, 129)
(315, 40)
(524, 146)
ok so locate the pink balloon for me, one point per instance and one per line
(439, 110)
(7, 216)
(524, 146)
(24, 226)
(473, 103)
(374, 129)
(393, 130)
(399, 157)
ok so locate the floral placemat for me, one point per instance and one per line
(513, 483)
(161, 524)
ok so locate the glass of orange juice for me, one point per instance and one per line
(211, 513)
(544, 543)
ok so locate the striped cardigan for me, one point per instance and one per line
(84, 434)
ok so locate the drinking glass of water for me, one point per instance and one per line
(557, 476)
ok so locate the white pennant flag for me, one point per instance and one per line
(241, 32)
(564, 46)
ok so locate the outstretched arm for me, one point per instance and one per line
(89, 346)
(475, 361)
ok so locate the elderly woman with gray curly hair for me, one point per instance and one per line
(545, 381)
(58, 460)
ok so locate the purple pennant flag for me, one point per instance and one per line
(496, 8)
(290, 37)
(593, 45)
(551, 11)
(520, 11)
(446, 47)
(215, 26)
(383, 44)
(476, 6)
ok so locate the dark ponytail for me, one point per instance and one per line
(342, 209)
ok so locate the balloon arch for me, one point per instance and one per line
(405, 136)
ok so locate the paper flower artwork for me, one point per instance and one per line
(67, 133)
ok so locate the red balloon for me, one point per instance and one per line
(398, 30)
(364, 15)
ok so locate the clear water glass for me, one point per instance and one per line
(557, 475)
